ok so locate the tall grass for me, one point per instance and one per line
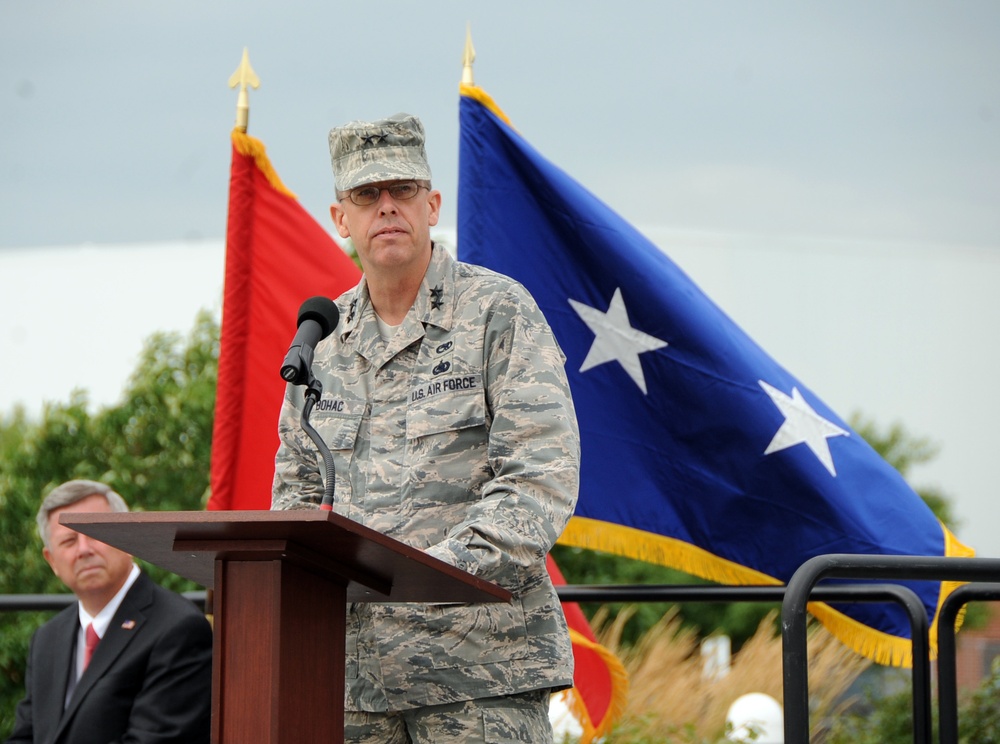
(671, 700)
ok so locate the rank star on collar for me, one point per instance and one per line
(615, 340)
(802, 425)
(437, 294)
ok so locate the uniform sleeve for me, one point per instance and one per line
(533, 447)
(297, 480)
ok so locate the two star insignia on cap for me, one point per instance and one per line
(372, 139)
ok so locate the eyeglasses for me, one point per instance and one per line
(400, 191)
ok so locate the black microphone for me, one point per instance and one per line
(318, 316)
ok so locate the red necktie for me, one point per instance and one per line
(92, 639)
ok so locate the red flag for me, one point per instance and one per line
(277, 255)
(600, 682)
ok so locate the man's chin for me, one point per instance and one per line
(390, 239)
(89, 577)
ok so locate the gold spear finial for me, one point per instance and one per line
(468, 57)
(243, 77)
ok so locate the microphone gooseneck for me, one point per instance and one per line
(318, 316)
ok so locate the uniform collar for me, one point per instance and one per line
(434, 304)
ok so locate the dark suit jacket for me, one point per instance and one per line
(150, 679)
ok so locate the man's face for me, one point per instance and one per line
(91, 569)
(390, 234)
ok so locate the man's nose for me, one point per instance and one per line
(386, 204)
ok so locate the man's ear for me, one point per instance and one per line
(340, 220)
(434, 200)
(47, 555)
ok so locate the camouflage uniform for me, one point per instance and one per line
(520, 718)
(457, 437)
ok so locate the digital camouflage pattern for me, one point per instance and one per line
(385, 150)
(520, 718)
(457, 437)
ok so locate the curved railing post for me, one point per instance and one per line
(947, 672)
(793, 616)
(921, 675)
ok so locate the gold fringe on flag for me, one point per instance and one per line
(619, 692)
(254, 148)
(880, 647)
(484, 98)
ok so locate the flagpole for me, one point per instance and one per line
(243, 77)
(468, 57)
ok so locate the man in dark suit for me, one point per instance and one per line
(130, 662)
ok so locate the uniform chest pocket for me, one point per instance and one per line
(341, 432)
(338, 429)
(448, 405)
(446, 453)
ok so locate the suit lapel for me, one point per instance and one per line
(125, 625)
(57, 664)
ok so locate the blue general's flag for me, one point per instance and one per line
(699, 450)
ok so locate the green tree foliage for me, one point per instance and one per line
(889, 720)
(979, 715)
(903, 451)
(153, 448)
(738, 620)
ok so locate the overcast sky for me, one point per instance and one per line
(868, 119)
(799, 159)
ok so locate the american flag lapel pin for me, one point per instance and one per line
(128, 625)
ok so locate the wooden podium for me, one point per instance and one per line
(282, 581)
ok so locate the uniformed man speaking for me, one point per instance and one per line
(446, 407)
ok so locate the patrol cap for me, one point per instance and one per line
(385, 150)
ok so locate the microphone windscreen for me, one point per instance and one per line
(323, 310)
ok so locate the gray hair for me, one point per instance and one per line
(69, 493)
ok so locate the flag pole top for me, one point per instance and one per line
(243, 77)
(468, 57)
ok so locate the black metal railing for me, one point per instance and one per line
(846, 566)
(842, 593)
(803, 587)
(55, 602)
